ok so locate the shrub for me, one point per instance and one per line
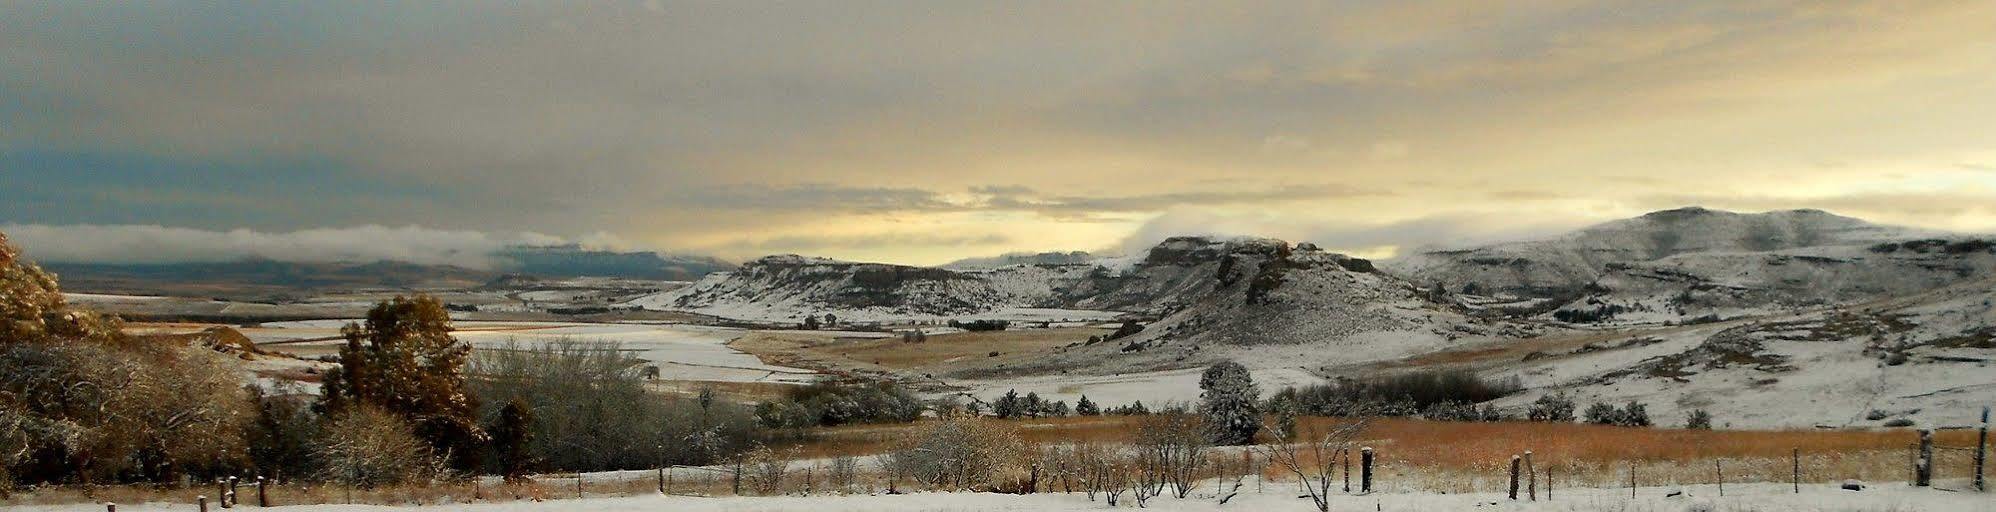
(1402, 395)
(1698, 419)
(833, 403)
(962, 452)
(592, 412)
(1552, 407)
(980, 325)
(94, 412)
(1633, 414)
(367, 447)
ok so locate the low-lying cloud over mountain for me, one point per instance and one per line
(127, 244)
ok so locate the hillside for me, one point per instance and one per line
(1564, 264)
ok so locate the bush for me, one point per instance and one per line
(1633, 414)
(1403, 395)
(832, 403)
(367, 447)
(404, 361)
(1552, 407)
(962, 452)
(1698, 419)
(592, 413)
(96, 413)
(980, 325)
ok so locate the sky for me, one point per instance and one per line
(926, 131)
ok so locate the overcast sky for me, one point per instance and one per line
(925, 131)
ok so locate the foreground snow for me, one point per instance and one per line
(1274, 498)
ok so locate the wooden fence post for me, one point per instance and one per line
(262, 492)
(1982, 451)
(1347, 457)
(1549, 483)
(1531, 478)
(1795, 468)
(578, 484)
(1514, 478)
(222, 492)
(1365, 470)
(1632, 480)
(201, 501)
(110, 507)
(233, 499)
(1923, 467)
(661, 480)
(1721, 472)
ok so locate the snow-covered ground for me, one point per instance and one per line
(1274, 497)
(682, 352)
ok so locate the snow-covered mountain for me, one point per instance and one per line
(1562, 265)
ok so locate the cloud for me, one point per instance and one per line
(1375, 239)
(159, 244)
(925, 240)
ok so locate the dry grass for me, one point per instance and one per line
(880, 355)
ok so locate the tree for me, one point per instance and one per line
(1033, 406)
(510, 435)
(404, 361)
(1084, 407)
(1230, 403)
(1008, 406)
(810, 322)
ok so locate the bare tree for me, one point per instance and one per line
(1312, 458)
(1171, 453)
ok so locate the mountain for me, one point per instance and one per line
(1564, 265)
(571, 260)
(263, 278)
(259, 277)
(1022, 258)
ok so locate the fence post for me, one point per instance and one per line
(201, 501)
(262, 492)
(1795, 468)
(1347, 455)
(110, 507)
(1549, 483)
(1531, 478)
(1721, 472)
(222, 491)
(233, 499)
(1982, 451)
(1923, 467)
(1365, 470)
(1514, 478)
(578, 484)
(1632, 480)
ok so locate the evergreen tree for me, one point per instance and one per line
(510, 435)
(404, 361)
(1084, 407)
(1008, 406)
(1034, 407)
(1230, 403)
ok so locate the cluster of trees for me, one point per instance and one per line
(1440, 395)
(81, 401)
(980, 325)
(1633, 414)
(831, 403)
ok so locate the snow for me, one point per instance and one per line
(682, 352)
(1274, 496)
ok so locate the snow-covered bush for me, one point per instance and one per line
(1552, 407)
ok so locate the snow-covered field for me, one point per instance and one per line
(1275, 497)
(682, 352)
